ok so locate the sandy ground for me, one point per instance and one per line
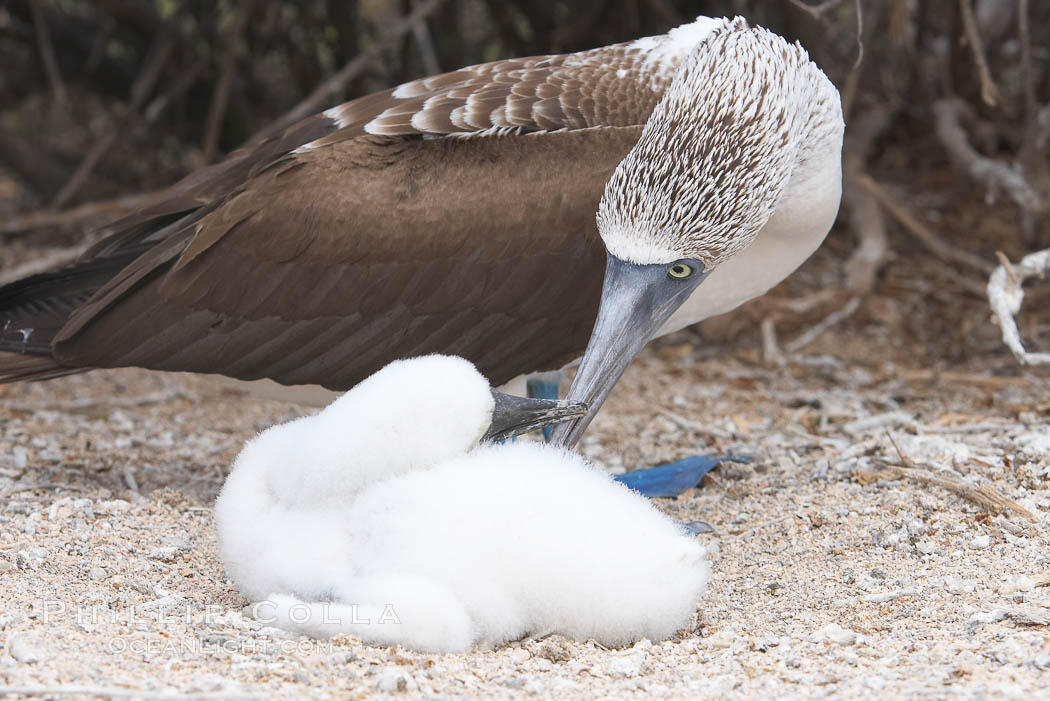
(833, 575)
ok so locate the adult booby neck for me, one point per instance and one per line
(745, 144)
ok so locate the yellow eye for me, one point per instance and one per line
(680, 271)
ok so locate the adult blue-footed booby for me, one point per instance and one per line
(456, 214)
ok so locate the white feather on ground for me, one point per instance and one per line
(381, 517)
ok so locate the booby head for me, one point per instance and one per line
(744, 116)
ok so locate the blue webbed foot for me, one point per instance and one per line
(672, 479)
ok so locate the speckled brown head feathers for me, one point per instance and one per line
(718, 149)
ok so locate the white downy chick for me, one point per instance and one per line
(381, 517)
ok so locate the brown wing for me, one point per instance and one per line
(327, 266)
(357, 237)
(608, 86)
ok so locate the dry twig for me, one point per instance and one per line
(991, 382)
(116, 692)
(87, 403)
(47, 52)
(983, 495)
(421, 34)
(823, 325)
(49, 260)
(815, 11)
(323, 92)
(667, 12)
(865, 217)
(44, 219)
(991, 173)
(989, 91)
(920, 231)
(771, 353)
(690, 425)
(220, 96)
(140, 90)
(1005, 294)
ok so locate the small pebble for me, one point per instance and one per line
(980, 542)
(1016, 583)
(958, 585)
(141, 587)
(342, 657)
(163, 554)
(23, 651)
(883, 597)
(722, 639)
(9, 618)
(555, 651)
(834, 633)
(628, 665)
(97, 573)
(392, 680)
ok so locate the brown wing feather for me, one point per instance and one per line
(325, 266)
(609, 86)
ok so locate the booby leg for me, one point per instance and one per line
(544, 385)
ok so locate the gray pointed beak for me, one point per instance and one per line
(636, 301)
(513, 415)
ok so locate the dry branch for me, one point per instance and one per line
(989, 91)
(926, 237)
(771, 353)
(823, 325)
(324, 92)
(140, 90)
(1005, 294)
(421, 34)
(117, 692)
(220, 96)
(48, 260)
(75, 216)
(47, 52)
(991, 173)
(815, 11)
(865, 217)
(982, 494)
